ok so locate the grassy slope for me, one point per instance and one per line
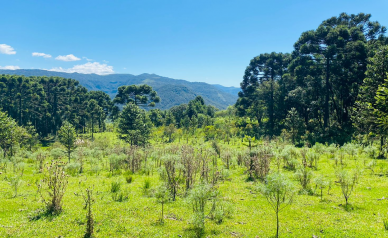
(252, 216)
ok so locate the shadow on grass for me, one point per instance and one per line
(193, 232)
(349, 207)
(42, 214)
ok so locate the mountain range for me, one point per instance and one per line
(171, 91)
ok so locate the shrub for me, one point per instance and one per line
(279, 192)
(115, 186)
(72, 168)
(53, 186)
(15, 182)
(385, 224)
(162, 196)
(347, 181)
(57, 153)
(129, 179)
(321, 183)
(146, 185)
(304, 176)
(198, 198)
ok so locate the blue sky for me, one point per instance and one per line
(196, 40)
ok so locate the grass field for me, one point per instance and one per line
(250, 213)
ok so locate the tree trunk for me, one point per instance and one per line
(326, 114)
(277, 223)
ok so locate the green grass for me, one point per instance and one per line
(252, 216)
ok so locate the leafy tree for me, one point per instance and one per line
(260, 93)
(156, 117)
(67, 136)
(95, 113)
(141, 95)
(368, 109)
(134, 126)
(162, 196)
(32, 137)
(339, 47)
(10, 134)
(169, 131)
(293, 124)
(199, 197)
(279, 192)
(347, 181)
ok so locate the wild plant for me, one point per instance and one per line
(348, 182)
(217, 148)
(146, 185)
(88, 201)
(57, 153)
(115, 186)
(162, 196)
(73, 168)
(279, 192)
(129, 178)
(198, 198)
(53, 186)
(15, 182)
(321, 183)
(313, 159)
(304, 176)
(385, 222)
(172, 169)
(190, 164)
(40, 157)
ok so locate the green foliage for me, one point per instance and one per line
(15, 182)
(198, 198)
(53, 186)
(279, 192)
(347, 181)
(162, 196)
(142, 95)
(134, 125)
(115, 186)
(67, 136)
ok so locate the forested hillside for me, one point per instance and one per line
(172, 92)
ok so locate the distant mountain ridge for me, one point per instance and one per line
(171, 91)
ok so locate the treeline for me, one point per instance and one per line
(45, 102)
(325, 90)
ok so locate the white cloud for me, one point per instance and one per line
(88, 68)
(7, 49)
(70, 57)
(87, 59)
(41, 55)
(11, 67)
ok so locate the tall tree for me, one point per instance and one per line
(134, 126)
(142, 95)
(260, 95)
(340, 47)
(95, 113)
(365, 117)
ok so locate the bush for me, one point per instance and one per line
(72, 168)
(304, 176)
(57, 153)
(115, 186)
(129, 179)
(53, 186)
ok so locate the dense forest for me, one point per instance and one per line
(308, 132)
